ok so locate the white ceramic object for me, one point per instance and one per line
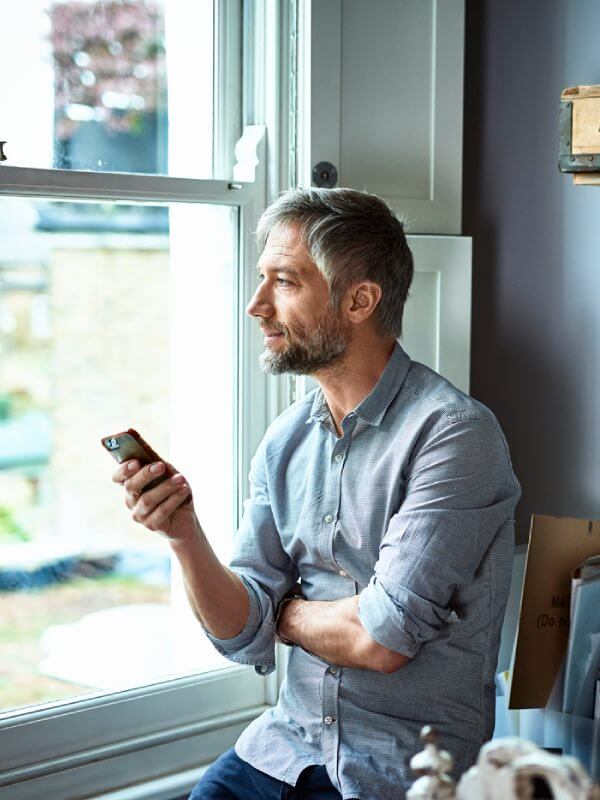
(506, 769)
(432, 766)
(479, 782)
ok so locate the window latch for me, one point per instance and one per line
(2, 153)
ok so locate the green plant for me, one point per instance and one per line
(9, 527)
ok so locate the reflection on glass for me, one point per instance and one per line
(110, 89)
(108, 85)
(110, 317)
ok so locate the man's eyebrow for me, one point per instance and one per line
(288, 270)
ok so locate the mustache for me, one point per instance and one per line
(271, 329)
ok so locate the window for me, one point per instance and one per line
(100, 328)
(126, 261)
(114, 85)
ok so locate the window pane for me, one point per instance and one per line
(109, 85)
(111, 317)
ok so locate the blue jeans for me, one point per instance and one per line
(231, 778)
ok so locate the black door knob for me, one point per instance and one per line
(324, 175)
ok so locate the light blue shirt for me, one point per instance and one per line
(412, 509)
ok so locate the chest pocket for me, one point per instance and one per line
(300, 526)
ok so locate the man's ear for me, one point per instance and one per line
(361, 301)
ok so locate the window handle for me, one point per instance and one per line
(2, 153)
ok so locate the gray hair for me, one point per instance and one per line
(352, 236)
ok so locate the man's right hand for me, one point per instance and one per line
(162, 509)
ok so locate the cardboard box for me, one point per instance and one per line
(557, 545)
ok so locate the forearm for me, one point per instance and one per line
(330, 630)
(218, 596)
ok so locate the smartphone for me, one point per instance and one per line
(129, 444)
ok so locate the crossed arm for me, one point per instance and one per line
(333, 631)
(329, 629)
(219, 598)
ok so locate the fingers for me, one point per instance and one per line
(134, 490)
(144, 504)
(125, 470)
(135, 481)
(152, 507)
(158, 518)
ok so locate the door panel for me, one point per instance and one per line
(382, 86)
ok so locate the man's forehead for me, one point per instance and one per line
(284, 244)
(285, 238)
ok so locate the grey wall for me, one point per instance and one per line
(536, 258)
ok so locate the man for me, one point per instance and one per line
(387, 492)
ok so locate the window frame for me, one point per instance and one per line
(171, 728)
(169, 718)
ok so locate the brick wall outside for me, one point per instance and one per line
(109, 371)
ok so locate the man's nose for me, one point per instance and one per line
(259, 305)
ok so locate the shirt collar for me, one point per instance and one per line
(319, 410)
(372, 409)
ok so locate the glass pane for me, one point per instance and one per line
(108, 85)
(111, 317)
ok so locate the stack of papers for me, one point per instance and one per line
(582, 664)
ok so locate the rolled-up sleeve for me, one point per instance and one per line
(267, 572)
(460, 492)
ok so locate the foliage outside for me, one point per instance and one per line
(10, 530)
(109, 62)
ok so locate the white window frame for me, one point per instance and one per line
(157, 737)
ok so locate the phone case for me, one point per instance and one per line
(130, 444)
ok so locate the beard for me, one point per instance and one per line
(308, 348)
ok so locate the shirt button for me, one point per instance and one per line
(263, 669)
(339, 457)
(328, 720)
(328, 518)
(343, 573)
(334, 670)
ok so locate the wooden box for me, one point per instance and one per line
(580, 133)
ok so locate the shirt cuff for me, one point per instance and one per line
(390, 621)
(249, 630)
(230, 647)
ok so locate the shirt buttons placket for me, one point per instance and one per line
(330, 733)
(339, 457)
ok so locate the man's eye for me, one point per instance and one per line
(281, 281)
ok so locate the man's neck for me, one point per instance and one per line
(347, 383)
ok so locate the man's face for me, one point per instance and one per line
(303, 334)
